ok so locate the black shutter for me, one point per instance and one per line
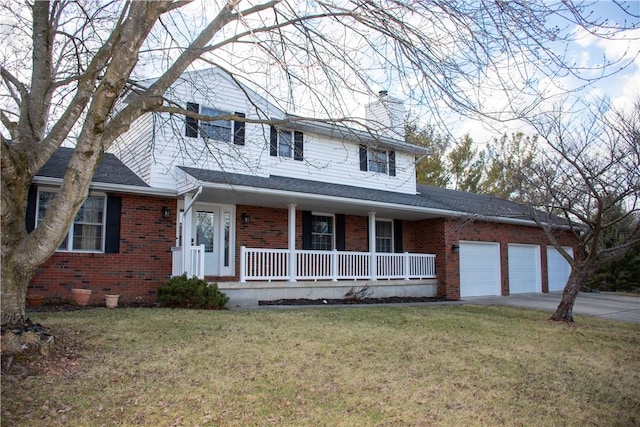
(112, 240)
(273, 144)
(32, 201)
(340, 232)
(363, 158)
(298, 146)
(306, 230)
(392, 163)
(238, 130)
(191, 124)
(397, 236)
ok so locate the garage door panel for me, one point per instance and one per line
(558, 269)
(479, 269)
(524, 269)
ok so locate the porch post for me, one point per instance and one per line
(292, 243)
(373, 262)
(187, 223)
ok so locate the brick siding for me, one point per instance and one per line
(143, 263)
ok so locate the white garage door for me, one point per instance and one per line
(479, 269)
(524, 269)
(558, 269)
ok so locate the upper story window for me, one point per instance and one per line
(286, 143)
(378, 161)
(322, 232)
(216, 129)
(87, 232)
(219, 130)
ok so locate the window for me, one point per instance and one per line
(87, 231)
(219, 130)
(384, 236)
(321, 232)
(378, 161)
(287, 144)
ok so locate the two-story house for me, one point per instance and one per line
(274, 206)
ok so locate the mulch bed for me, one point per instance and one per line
(351, 301)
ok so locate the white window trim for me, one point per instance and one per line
(333, 228)
(70, 231)
(370, 160)
(205, 135)
(393, 237)
(292, 143)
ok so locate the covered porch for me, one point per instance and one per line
(293, 265)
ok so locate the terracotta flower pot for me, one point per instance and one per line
(34, 300)
(112, 300)
(81, 296)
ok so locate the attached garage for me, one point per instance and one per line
(479, 269)
(524, 269)
(558, 269)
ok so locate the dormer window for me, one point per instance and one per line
(378, 161)
(286, 143)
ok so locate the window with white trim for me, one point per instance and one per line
(286, 143)
(322, 232)
(378, 161)
(219, 130)
(384, 236)
(87, 232)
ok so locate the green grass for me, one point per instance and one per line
(364, 366)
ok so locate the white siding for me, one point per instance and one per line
(135, 146)
(154, 154)
(338, 162)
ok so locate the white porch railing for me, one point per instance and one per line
(194, 265)
(273, 264)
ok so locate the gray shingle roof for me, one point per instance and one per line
(110, 171)
(428, 197)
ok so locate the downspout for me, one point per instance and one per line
(186, 226)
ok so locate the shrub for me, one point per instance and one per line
(191, 293)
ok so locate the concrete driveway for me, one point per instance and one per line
(602, 304)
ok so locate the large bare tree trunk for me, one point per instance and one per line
(564, 311)
(15, 281)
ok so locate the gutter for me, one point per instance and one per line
(105, 186)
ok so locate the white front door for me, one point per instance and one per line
(213, 227)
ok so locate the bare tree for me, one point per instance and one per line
(589, 175)
(65, 64)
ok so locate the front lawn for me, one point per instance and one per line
(357, 366)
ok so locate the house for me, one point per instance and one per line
(276, 206)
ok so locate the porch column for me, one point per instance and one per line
(292, 243)
(187, 223)
(373, 262)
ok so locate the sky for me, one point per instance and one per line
(622, 88)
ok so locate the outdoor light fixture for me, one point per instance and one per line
(455, 248)
(246, 219)
(165, 212)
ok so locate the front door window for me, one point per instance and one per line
(205, 229)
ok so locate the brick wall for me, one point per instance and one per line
(438, 236)
(143, 264)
